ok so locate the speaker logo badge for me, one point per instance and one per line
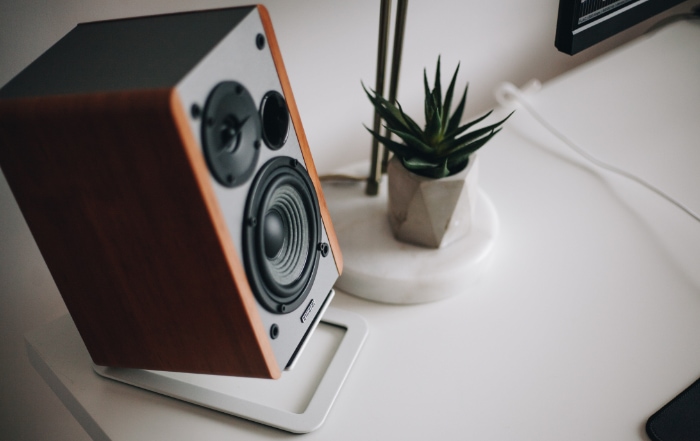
(307, 311)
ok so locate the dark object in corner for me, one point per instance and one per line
(679, 420)
(581, 24)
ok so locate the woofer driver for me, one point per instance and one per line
(281, 235)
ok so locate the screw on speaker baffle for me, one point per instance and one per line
(323, 248)
(195, 111)
(274, 331)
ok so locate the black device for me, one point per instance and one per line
(679, 420)
(583, 23)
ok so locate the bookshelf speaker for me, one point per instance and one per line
(162, 168)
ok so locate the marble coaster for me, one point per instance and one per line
(380, 268)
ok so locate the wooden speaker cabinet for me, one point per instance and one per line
(161, 165)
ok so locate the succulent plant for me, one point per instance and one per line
(442, 147)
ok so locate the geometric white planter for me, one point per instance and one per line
(429, 212)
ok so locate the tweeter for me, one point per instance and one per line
(231, 133)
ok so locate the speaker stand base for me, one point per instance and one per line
(298, 402)
(378, 267)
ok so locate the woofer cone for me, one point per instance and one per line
(281, 235)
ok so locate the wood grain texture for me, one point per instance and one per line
(117, 196)
(301, 135)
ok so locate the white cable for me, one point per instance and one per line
(507, 92)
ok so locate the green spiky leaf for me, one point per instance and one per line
(459, 130)
(398, 148)
(467, 149)
(428, 169)
(411, 140)
(416, 163)
(387, 111)
(437, 89)
(415, 128)
(448, 101)
(472, 137)
(443, 146)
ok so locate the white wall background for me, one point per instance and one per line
(328, 47)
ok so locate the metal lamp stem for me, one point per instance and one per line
(375, 172)
(401, 8)
(377, 167)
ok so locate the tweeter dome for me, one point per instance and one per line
(231, 133)
(161, 165)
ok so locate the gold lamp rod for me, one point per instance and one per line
(377, 167)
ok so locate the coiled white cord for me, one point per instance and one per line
(507, 93)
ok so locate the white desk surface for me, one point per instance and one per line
(587, 322)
